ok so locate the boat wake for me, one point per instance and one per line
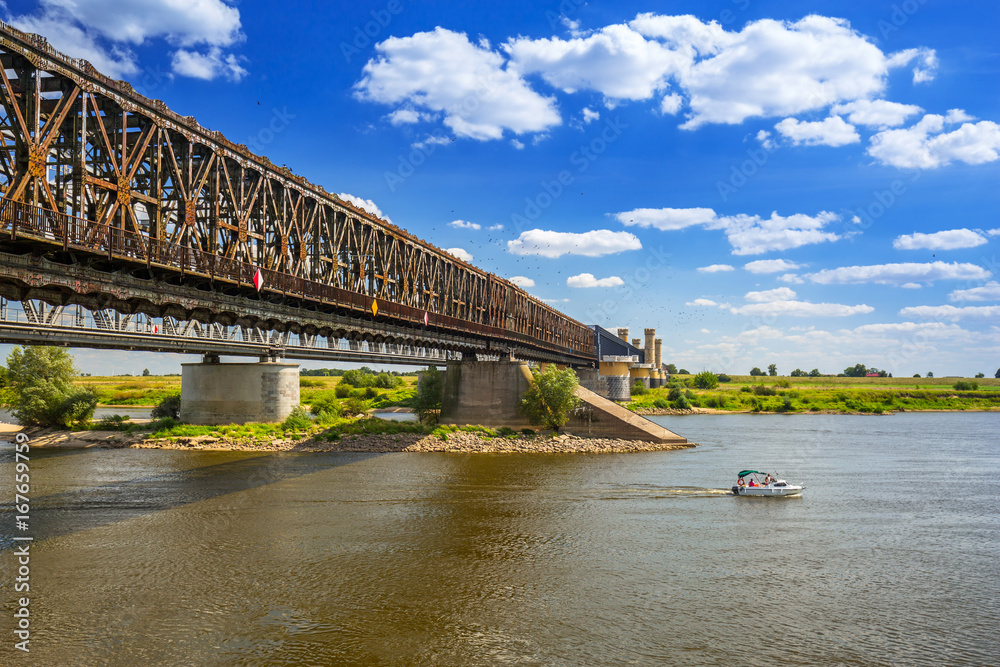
(656, 491)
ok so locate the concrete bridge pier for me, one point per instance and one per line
(614, 371)
(489, 393)
(236, 393)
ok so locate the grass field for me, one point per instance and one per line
(828, 394)
(150, 390)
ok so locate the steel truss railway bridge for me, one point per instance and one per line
(124, 225)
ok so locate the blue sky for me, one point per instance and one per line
(810, 184)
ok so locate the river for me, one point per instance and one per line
(163, 557)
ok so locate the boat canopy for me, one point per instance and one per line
(744, 473)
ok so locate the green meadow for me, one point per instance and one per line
(745, 393)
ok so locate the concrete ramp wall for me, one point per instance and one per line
(489, 392)
(601, 418)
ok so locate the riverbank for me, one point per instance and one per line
(460, 441)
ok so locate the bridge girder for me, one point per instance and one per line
(91, 169)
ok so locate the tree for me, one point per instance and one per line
(997, 373)
(551, 397)
(42, 391)
(814, 373)
(930, 374)
(683, 371)
(706, 380)
(856, 371)
(145, 372)
(672, 369)
(772, 370)
(427, 402)
(980, 375)
(756, 371)
(798, 373)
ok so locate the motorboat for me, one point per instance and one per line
(756, 483)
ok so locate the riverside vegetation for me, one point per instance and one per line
(850, 395)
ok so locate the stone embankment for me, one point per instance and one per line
(381, 443)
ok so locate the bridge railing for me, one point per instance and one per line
(23, 220)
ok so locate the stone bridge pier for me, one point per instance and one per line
(236, 393)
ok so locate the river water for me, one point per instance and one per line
(162, 557)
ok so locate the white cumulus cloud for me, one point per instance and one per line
(707, 303)
(464, 224)
(771, 266)
(366, 204)
(832, 131)
(747, 234)
(715, 268)
(951, 312)
(950, 239)
(988, 292)
(926, 144)
(800, 309)
(77, 27)
(898, 274)
(461, 253)
(209, 65)
(441, 71)
(589, 244)
(876, 113)
(522, 281)
(588, 280)
(778, 294)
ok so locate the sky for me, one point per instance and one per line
(808, 184)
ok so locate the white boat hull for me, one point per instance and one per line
(768, 491)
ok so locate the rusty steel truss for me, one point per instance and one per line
(91, 172)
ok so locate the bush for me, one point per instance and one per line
(308, 382)
(297, 420)
(682, 403)
(386, 381)
(551, 397)
(786, 405)
(357, 378)
(962, 385)
(112, 423)
(427, 402)
(706, 380)
(724, 378)
(170, 406)
(164, 424)
(674, 393)
(342, 390)
(325, 405)
(761, 390)
(371, 392)
(639, 389)
(353, 406)
(662, 403)
(41, 388)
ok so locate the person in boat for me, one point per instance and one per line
(768, 479)
(752, 482)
